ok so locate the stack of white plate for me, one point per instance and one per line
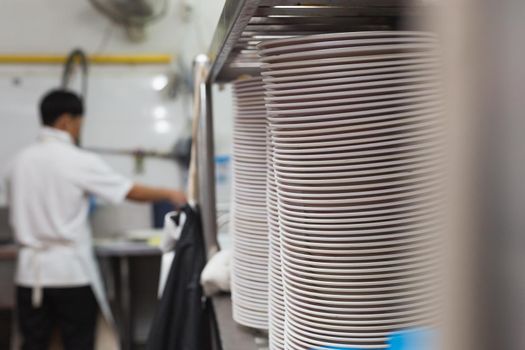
(277, 307)
(356, 128)
(249, 214)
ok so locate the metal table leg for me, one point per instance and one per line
(125, 304)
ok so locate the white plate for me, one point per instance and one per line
(352, 128)
(253, 274)
(354, 164)
(241, 95)
(354, 339)
(240, 277)
(346, 178)
(242, 192)
(256, 101)
(404, 135)
(341, 320)
(372, 222)
(384, 78)
(427, 227)
(327, 282)
(284, 106)
(355, 249)
(242, 142)
(311, 262)
(360, 86)
(344, 291)
(250, 248)
(401, 299)
(349, 70)
(256, 236)
(334, 155)
(342, 36)
(335, 64)
(244, 308)
(258, 243)
(256, 247)
(243, 300)
(365, 50)
(249, 81)
(356, 274)
(353, 333)
(277, 123)
(249, 225)
(250, 322)
(349, 197)
(246, 255)
(351, 160)
(330, 311)
(248, 157)
(356, 218)
(248, 214)
(277, 118)
(300, 242)
(256, 289)
(380, 147)
(341, 331)
(357, 133)
(361, 183)
(292, 206)
(334, 96)
(298, 342)
(311, 161)
(254, 87)
(343, 42)
(255, 121)
(252, 277)
(258, 131)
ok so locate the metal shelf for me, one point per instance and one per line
(245, 23)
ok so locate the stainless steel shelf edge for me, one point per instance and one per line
(245, 23)
(206, 162)
(234, 18)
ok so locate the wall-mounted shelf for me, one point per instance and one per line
(245, 23)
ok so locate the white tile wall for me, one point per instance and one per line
(124, 112)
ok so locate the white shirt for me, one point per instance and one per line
(49, 187)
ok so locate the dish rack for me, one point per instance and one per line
(243, 24)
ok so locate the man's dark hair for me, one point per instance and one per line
(58, 102)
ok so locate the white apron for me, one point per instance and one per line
(106, 333)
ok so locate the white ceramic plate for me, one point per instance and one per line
(365, 50)
(360, 86)
(346, 42)
(428, 74)
(331, 64)
(279, 117)
(347, 70)
(343, 36)
(283, 107)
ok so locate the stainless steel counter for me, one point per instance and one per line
(233, 336)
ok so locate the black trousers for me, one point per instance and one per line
(73, 310)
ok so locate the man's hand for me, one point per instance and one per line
(143, 193)
(178, 198)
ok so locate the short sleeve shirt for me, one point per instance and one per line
(49, 187)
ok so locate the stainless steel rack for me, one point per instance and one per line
(245, 23)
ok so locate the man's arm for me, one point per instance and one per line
(141, 193)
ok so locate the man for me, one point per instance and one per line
(49, 187)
